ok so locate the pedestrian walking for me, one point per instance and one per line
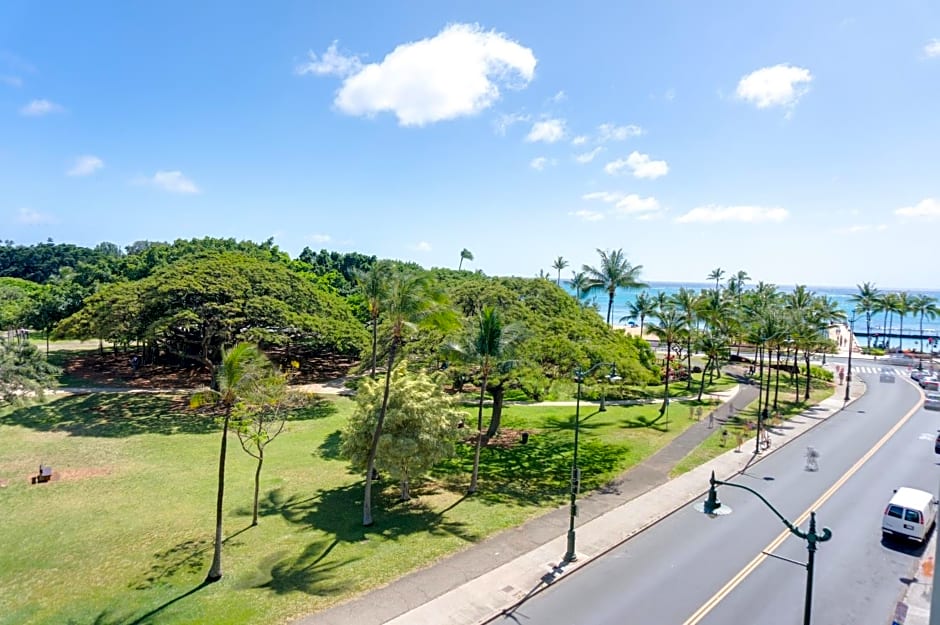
(724, 437)
(740, 442)
(812, 459)
(711, 420)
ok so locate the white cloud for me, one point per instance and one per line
(12, 81)
(780, 85)
(623, 204)
(859, 228)
(612, 132)
(85, 165)
(320, 238)
(579, 140)
(932, 48)
(670, 95)
(31, 217)
(506, 120)
(640, 165)
(38, 108)
(927, 209)
(746, 214)
(587, 215)
(331, 62)
(173, 181)
(561, 96)
(538, 163)
(422, 246)
(457, 72)
(587, 157)
(549, 131)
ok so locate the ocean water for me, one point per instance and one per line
(841, 295)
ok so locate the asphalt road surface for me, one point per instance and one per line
(671, 573)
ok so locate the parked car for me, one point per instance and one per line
(887, 375)
(932, 402)
(910, 513)
(930, 383)
(918, 374)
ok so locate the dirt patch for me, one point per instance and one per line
(504, 439)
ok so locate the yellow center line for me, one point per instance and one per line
(709, 605)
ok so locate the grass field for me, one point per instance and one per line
(122, 534)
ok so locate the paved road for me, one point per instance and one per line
(667, 573)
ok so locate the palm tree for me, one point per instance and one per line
(715, 347)
(465, 254)
(579, 282)
(889, 303)
(669, 330)
(559, 264)
(409, 299)
(686, 302)
(243, 367)
(642, 307)
(371, 286)
(614, 271)
(903, 307)
(865, 301)
(716, 274)
(490, 341)
(924, 306)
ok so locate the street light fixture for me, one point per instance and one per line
(579, 376)
(848, 372)
(712, 507)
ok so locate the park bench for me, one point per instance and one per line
(45, 474)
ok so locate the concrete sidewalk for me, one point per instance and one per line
(479, 583)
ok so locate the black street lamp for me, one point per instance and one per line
(579, 376)
(712, 507)
(848, 372)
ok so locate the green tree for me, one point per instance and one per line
(419, 426)
(372, 288)
(259, 417)
(866, 301)
(716, 274)
(924, 306)
(686, 302)
(16, 299)
(669, 329)
(559, 264)
(642, 307)
(579, 282)
(24, 372)
(243, 370)
(465, 254)
(613, 272)
(411, 298)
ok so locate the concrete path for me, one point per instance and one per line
(477, 584)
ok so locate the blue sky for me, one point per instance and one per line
(797, 141)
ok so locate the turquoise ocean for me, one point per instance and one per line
(842, 295)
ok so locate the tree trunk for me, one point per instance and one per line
(760, 379)
(662, 409)
(370, 463)
(806, 391)
(688, 349)
(868, 327)
(610, 308)
(479, 442)
(47, 341)
(496, 418)
(215, 571)
(701, 388)
(405, 490)
(254, 510)
(777, 380)
(770, 356)
(795, 376)
(375, 338)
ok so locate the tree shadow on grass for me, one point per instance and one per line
(113, 617)
(338, 512)
(641, 421)
(567, 424)
(308, 573)
(188, 557)
(329, 449)
(113, 415)
(535, 473)
(314, 408)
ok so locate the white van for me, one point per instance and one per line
(911, 513)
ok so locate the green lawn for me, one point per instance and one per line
(123, 536)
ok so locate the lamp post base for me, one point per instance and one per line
(570, 555)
